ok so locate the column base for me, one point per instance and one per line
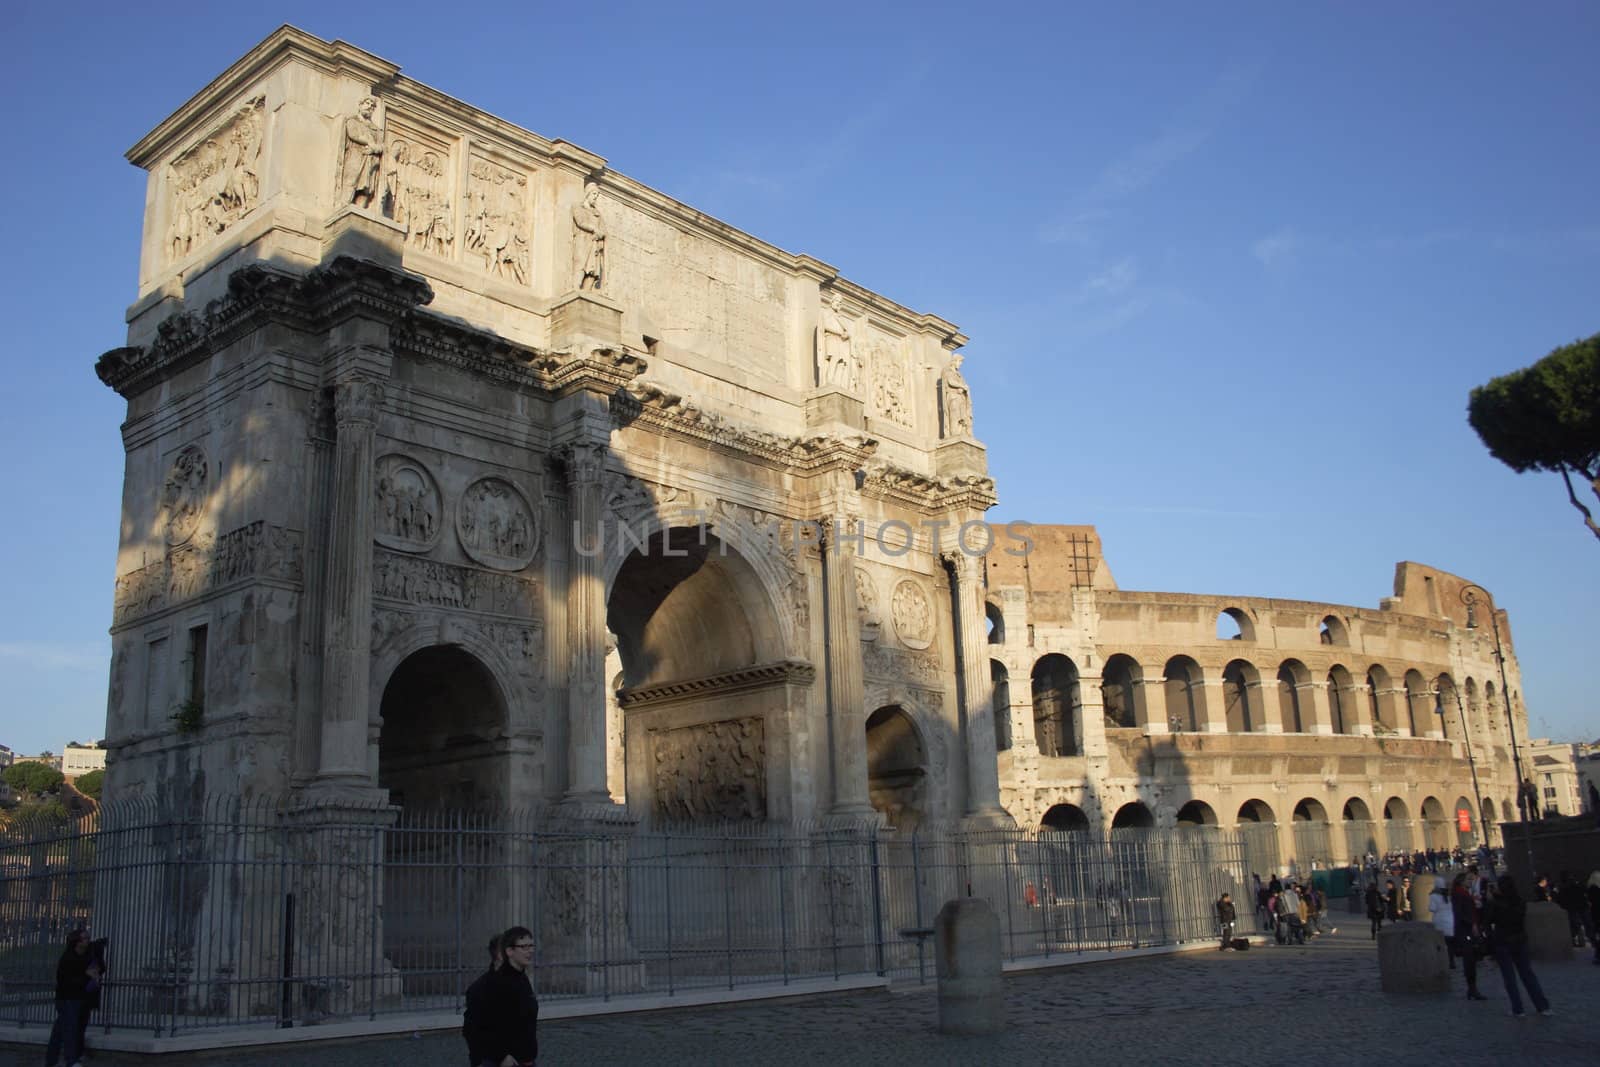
(854, 817)
(988, 819)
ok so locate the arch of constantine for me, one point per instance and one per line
(464, 471)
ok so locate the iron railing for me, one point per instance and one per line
(233, 913)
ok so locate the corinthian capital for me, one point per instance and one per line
(357, 400)
(584, 460)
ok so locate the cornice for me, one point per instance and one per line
(671, 414)
(885, 481)
(766, 675)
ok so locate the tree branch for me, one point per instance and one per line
(1588, 517)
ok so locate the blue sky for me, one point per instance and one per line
(1229, 270)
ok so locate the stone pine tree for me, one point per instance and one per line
(1547, 417)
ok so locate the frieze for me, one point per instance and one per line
(715, 770)
(409, 506)
(412, 580)
(626, 497)
(788, 672)
(217, 182)
(884, 661)
(416, 191)
(496, 229)
(258, 550)
(912, 614)
(496, 525)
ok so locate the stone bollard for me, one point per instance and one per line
(1549, 935)
(967, 950)
(1412, 959)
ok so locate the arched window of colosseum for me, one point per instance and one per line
(1001, 704)
(1242, 709)
(1475, 729)
(1397, 826)
(1134, 816)
(1309, 828)
(1491, 714)
(1310, 810)
(1332, 631)
(1181, 682)
(1488, 819)
(1419, 703)
(1339, 686)
(1121, 692)
(1255, 811)
(1359, 834)
(1292, 674)
(442, 714)
(1196, 813)
(996, 622)
(1234, 625)
(897, 767)
(1380, 701)
(1064, 818)
(1508, 811)
(1446, 709)
(1464, 838)
(1057, 706)
(1435, 826)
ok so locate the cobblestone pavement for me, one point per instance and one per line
(1260, 1006)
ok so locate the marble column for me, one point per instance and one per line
(977, 700)
(586, 628)
(347, 616)
(847, 723)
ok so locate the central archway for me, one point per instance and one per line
(706, 692)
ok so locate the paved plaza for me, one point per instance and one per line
(1262, 1006)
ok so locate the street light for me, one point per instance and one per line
(1472, 764)
(1470, 599)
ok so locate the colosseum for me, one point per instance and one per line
(464, 470)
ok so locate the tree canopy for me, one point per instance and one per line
(90, 784)
(1547, 417)
(30, 776)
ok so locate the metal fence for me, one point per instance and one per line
(268, 914)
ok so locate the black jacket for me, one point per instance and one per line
(502, 1017)
(72, 975)
(1507, 917)
(1225, 911)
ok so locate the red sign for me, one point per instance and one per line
(1464, 820)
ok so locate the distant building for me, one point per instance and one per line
(1554, 772)
(1588, 761)
(49, 759)
(81, 759)
(6, 757)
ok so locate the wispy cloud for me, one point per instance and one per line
(1278, 249)
(51, 656)
(1193, 124)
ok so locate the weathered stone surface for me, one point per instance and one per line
(1412, 959)
(972, 996)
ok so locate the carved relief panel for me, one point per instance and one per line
(890, 391)
(867, 604)
(497, 220)
(217, 182)
(409, 509)
(183, 494)
(913, 615)
(496, 525)
(716, 770)
(417, 189)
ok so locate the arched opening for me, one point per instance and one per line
(1259, 830)
(1000, 704)
(1340, 685)
(1255, 811)
(1234, 624)
(1181, 683)
(1397, 825)
(1292, 674)
(442, 740)
(897, 767)
(1133, 816)
(1434, 828)
(1057, 707)
(1243, 712)
(1466, 824)
(1419, 703)
(1120, 691)
(1312, 846)
(687, 606)
(1360, 836)
(1508, 811)
(1492, 718)
(1446, 715)
(995, 621)
(1064, 818)
(1196, 813)
(1380, 701)
(1488, 819)
(1475, 726)
(1332, 631)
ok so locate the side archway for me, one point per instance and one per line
(1133, 816)
(897, 767)
(1063, 818)
(1240, 682)
(441, 743)
(1057, 706)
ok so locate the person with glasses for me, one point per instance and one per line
(506, 1022)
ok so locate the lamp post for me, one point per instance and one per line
(1472, 763)
(1469, 597)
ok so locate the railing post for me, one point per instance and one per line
(877, 901)
(916, 894)
(374, 872)
(783, 911)
(1008, 841)
(605, 917)
(727, 911)
(666, 862)
(460, 891)
(170, 951)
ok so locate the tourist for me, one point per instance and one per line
(1570, 895)
(1468, 939)
(510, 1010)
(1291, 925)
(1375, 907)
(1402, 905)
(1391, 900)
(1507, 918)
(1263, 916)
(74, 971)
(1443, 916)
(474, 1026)
(1541, 889)
(1225, 920)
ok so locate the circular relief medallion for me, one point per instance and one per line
(913, 618)
(408, 509)
(496, 526)
(183, 496)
